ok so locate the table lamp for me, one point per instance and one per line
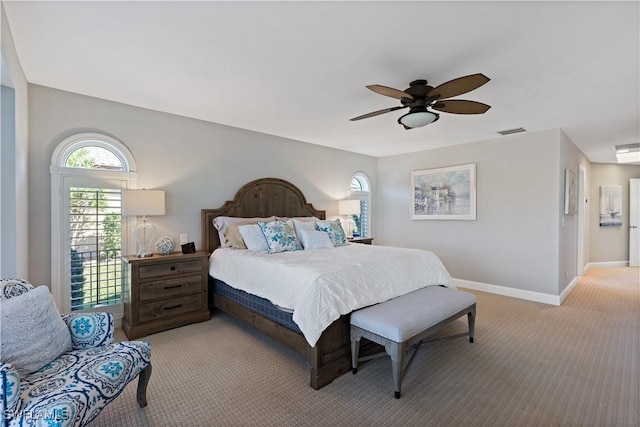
(143, 203)
(349, 208)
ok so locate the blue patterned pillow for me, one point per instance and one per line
(89, 329)
(10, 288)
(334, 228)
(280, 236)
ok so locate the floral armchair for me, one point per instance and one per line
(87, 374)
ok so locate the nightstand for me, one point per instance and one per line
(163, 292)
(363, 240)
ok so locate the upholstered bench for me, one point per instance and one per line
(404, 322)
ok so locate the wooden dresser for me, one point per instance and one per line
(164, 291)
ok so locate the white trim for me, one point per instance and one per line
(71, 144)
(60, 178)
(568, 289)
(366, 195)
(510, 292)
(582, 180)
(606, 264)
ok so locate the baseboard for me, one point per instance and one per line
(607, 264)
(568, 289)
(512, 292)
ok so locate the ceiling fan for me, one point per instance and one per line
(419, 97)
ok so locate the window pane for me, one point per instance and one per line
(96, 241)
(356, 185)
(93, 158)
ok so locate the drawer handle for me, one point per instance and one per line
(173, 267)
(171, 307)
(174, 286)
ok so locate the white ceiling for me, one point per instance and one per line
(299, 69)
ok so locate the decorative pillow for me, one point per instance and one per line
(33, 332)
(253, 238)
(336, 233)
(314, 239)
(280, 236)
(221, 223)
(234, 238)
(10, 288)
(89, 330)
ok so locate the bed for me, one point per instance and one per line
(328, 349)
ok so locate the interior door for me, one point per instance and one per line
(634, 223)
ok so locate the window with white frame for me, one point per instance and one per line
(360, 189)
(88, 174)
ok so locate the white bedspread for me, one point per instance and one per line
(320, 285)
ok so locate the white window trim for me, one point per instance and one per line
(60, 177)
(363, 195)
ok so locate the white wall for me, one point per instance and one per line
(14, 207)
(198, 164)
(515, 240)
(609, 244)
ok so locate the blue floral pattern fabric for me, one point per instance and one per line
(10, 288)
(10, 392)
(334, 228)
(89, 329)
(280, 236)
(73, 389)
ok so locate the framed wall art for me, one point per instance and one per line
(610, 205)
(570, 192)
(444, 193)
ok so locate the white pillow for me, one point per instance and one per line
(304, 224)
(314, 239)
(33, 332)
(253, 238)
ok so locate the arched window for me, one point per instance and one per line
(360, 189)
(88, 173)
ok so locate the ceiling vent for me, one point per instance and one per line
(510, 131)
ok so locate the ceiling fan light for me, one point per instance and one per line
(416, 119)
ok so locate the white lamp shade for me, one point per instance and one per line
(348, 207)
(142, 202)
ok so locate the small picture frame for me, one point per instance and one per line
(570, 192)
(189, 248)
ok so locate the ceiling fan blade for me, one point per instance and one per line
(458, 86)
(459, 106)
(389, 91)
(376, 113)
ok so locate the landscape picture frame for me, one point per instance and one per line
(445, 193)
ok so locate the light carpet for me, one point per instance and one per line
(531, 365)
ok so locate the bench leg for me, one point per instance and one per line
(395, 351)
(355, 354)
(471, 316)
(143, 380)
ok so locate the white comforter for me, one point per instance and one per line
(320, 285)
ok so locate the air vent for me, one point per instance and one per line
(510, 131)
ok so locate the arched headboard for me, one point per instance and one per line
(260, 198)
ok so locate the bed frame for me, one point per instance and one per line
(331, 356)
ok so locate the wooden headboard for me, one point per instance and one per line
(260, 198)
